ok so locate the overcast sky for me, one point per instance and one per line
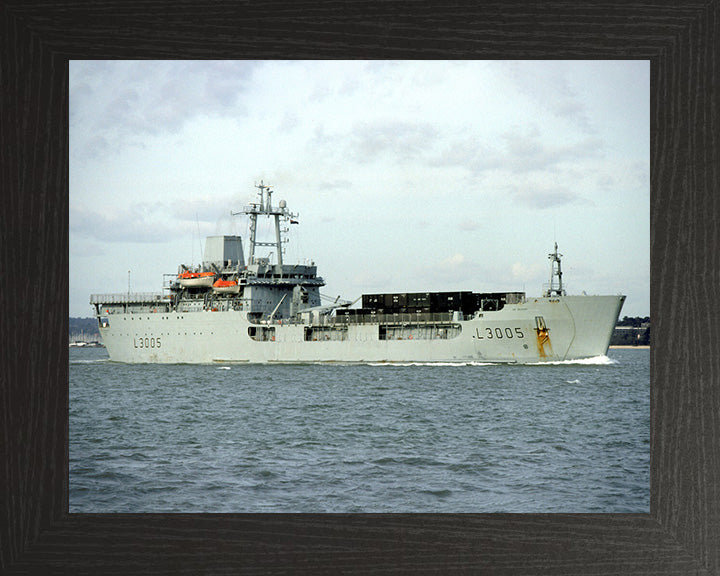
(408, 176)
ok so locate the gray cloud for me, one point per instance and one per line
(132, 224)
(529, 152)
(469, 153)
(544, 197)
(469, 225)
(339, 185)
(121, 103)
(80, 95)
(516, 153)
(203, 209)
(548, 87)
(403, 140)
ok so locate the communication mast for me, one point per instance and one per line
(264, 207)
(555, 270)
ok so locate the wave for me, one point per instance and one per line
(431, 363)
(594, 361)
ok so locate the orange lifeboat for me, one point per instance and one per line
(196, 279)
(226, 287)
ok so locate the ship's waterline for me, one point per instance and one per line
(275, 314)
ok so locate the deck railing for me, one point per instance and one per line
(128, 298)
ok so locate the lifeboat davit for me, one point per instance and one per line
(226, 287)
(196, 279)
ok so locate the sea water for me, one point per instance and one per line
(563, 437)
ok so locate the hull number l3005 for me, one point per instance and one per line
(146, 342)
(498, 333)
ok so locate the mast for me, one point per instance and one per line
(264, 207)
(555, 270)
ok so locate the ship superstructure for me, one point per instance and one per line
(263, 290)
(228, 309)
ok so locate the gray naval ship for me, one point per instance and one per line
(261, 310)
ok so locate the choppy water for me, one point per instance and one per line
(569, 437)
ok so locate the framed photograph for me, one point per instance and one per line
(676, 533)
(465, 366)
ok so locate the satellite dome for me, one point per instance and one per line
(283, 204)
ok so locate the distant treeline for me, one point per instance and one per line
(87, 326)
(631, 331)
(636, 321)
(628, 332)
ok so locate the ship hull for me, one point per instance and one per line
(543, 329)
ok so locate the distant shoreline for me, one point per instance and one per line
(640, 346)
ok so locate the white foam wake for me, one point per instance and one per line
(431, 364)
(594, 361)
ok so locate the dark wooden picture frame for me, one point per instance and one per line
(680, 535)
